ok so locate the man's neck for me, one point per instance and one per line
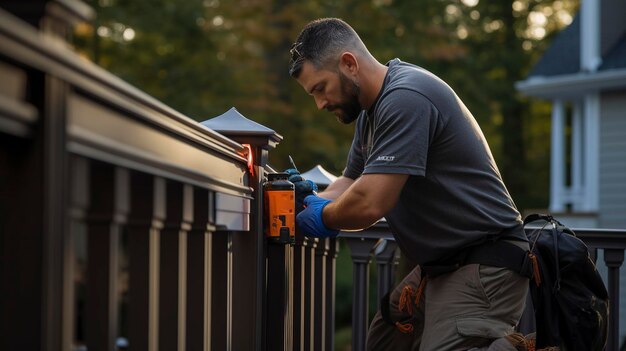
(372, 83)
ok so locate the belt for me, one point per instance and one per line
(497, 253)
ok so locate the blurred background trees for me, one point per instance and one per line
(204, 56)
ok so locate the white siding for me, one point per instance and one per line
(612, 163)
(612, 187)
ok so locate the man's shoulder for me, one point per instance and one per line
(409, 76)
(397, 66)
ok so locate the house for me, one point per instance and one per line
(583, 74)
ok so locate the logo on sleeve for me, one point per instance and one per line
(385, 158)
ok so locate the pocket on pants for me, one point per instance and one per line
(481, 327)
(493, 279)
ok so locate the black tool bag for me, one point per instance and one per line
(570, 300)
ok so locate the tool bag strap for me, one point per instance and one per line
(556, 226)
(536, 217)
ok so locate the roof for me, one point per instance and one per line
(616, 57)
(233, 121)
(563, 55)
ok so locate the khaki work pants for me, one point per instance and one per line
(472, 308)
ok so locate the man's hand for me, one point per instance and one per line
(303, 188)
(310, 221)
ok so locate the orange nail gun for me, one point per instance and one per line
(279, 208)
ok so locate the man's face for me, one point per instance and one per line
(332, 91)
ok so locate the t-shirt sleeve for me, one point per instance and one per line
(404, 126)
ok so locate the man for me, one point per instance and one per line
(420, 160)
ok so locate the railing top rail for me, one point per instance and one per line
(600, 238)
(377, 231)
(25, 45)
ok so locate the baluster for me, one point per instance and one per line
(221, 291)
(144, 225)
(299, 263)
(387, 259)
(199, 266)
(320, 294)
(279, 275)
(79, 204)
(290, 305)
(109, 209)
(309, 296)
(360, 251)
(331, 280)
(331, 277)
(173, 266)
(55, 187)
(613, 259)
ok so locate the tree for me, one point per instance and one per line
(203, 57)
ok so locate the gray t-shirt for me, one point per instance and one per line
(454, 196)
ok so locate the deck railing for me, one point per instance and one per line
(127, 225)
(120, 218)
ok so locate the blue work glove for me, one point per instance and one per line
(310, 222)
(303, 188)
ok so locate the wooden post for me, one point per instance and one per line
(109, 189)
(613, 259)
(199, 267)
(145, 223)
(173, 266)
(249, 247)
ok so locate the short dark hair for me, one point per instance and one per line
(320, 42)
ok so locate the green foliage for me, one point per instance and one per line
(343, 338)
(204, 56)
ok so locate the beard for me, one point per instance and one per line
(349, 108)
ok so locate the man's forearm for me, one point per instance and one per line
(336, 188)
(366, 201)
(350, 212)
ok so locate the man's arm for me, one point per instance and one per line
(336, 188)
(366, 201)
